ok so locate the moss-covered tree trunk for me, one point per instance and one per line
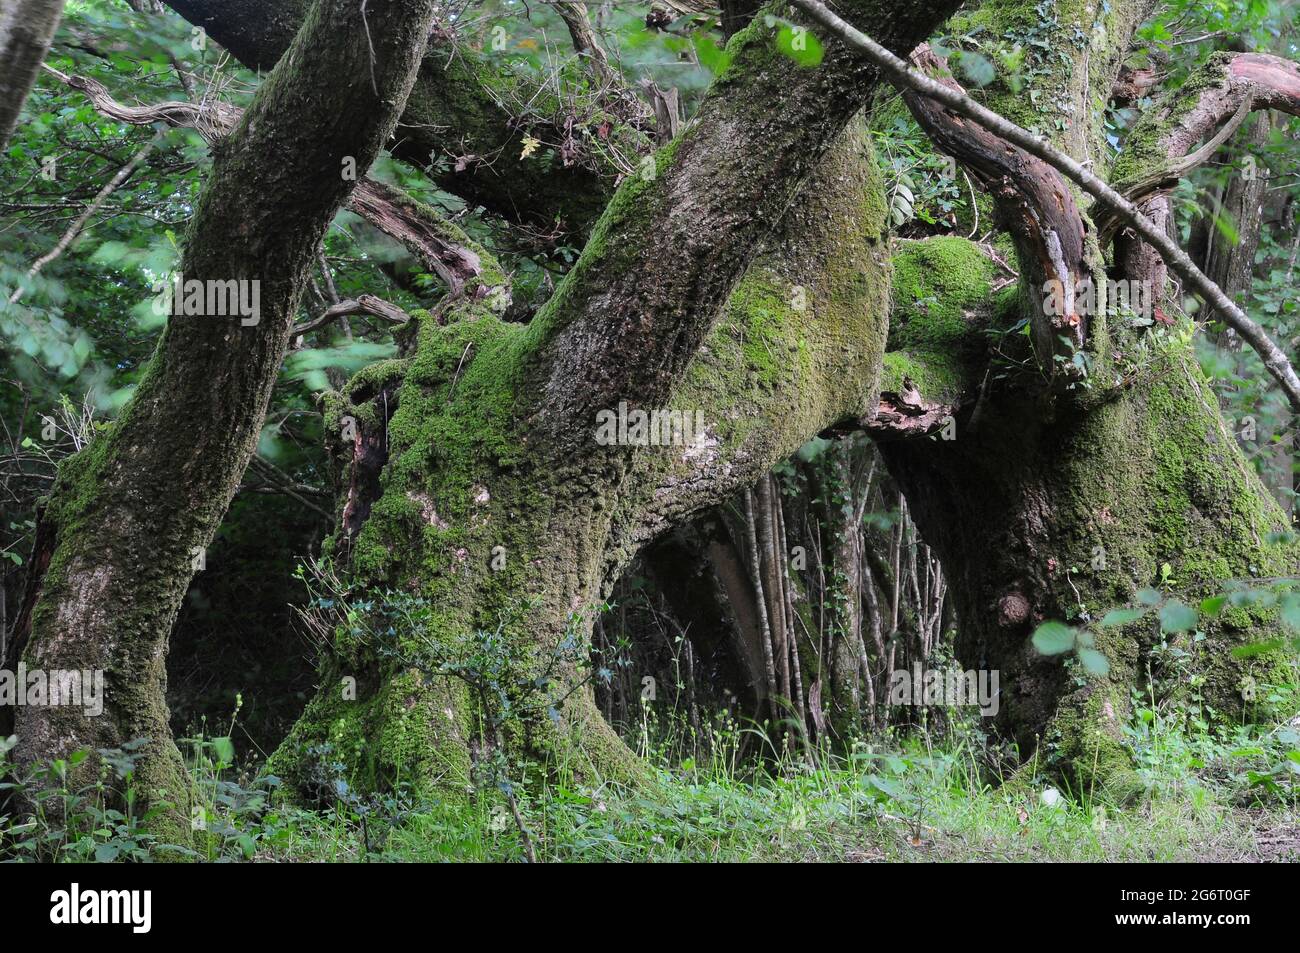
(488, 488)
(128, 519)
(1047, 512)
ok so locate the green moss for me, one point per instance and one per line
(1145, 150)
(764, 305)
(937, 379)
(940, 286)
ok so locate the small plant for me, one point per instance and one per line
(53, 822)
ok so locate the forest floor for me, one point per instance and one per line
(771, 822)
(1225, 798)
(928, 796)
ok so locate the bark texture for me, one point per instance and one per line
(26, 31)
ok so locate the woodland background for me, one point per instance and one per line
(819, 559)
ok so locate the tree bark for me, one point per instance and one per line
(26, 31)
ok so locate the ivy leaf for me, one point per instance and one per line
(1053, 638)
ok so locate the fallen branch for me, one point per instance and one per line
(1274, 359)
(366, 304)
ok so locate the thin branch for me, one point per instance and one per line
(391, 212)
(366, 304)
(75, 229)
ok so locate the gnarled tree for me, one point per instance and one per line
(1090, 460)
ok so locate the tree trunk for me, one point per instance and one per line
(1056, 474)
(472, 481)
(26, 31)
(1061, 512)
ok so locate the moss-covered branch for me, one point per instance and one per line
(456, 111)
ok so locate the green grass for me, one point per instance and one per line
(910, 802)
(1225, 797)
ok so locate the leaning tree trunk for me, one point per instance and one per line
(129, 517)
(485, 498)
(1061, 470)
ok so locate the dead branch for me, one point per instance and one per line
(365, 304)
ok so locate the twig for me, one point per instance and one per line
(76, 227)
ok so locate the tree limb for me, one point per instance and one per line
(411, 223)
(73, 230)
(1035, 202)
(365, 304)
(1158, 151)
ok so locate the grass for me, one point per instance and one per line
(1209, 798)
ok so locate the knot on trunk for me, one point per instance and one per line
(1013, 610)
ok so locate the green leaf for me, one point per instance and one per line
(1121, 617)
(1213, 606)
(1176, 617)
(225, 749)
(1149, 597)
(1256, 648)
(800, 45)
(977, 69)
(1291, 611)
(711, 56)
(1093, 662)
(1053, 638)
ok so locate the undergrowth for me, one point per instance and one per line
(1225, 796)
